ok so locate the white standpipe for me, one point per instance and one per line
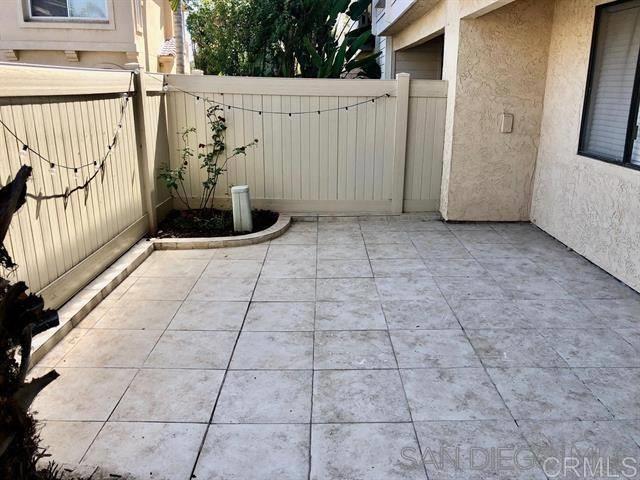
(241, 203)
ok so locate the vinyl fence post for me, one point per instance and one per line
(144, 148)
(400, 139)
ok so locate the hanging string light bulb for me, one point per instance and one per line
(24, 151)
(52, 169)
(76, 174)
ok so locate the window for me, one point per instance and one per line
(610, 119)
(68, 9)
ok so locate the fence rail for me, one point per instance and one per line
(376, 156)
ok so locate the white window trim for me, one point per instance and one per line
(25, 20)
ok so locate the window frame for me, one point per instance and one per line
(43, 19)
(633, 110)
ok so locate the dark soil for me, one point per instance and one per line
(209, 223)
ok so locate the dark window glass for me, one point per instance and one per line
(611, 106)
(49, 8)
(89, 9)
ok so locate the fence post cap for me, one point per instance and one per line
(197, 71)
(132, 66)
(240, 189)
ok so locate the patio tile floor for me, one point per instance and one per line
(352, 348)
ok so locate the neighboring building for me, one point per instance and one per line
(542, 113)
(88, 33)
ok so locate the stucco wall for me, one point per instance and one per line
(589, 205)
(501, 67)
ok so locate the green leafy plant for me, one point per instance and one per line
(212, 158)
(282, 38)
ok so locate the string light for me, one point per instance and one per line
(198, 97)
(26, 150)
(53, 167)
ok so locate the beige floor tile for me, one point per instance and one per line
(280, 316)
(139, 315)
(349, 316)
(299, 268)
(344, 268)
(67, 441)
(161, 288)
(170, 395)
(196, 315)
(265, 396)
(233, 268)
(56, 354)
(273, 350)
(158, 266)
(112, 348)
(82, 394)
(256, 452)
(249, 252)
(165, 451)
(285, 290)
(222, 289)
(191, 349)
(347, 290)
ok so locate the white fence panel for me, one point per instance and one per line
(340, 160)
(47, 238)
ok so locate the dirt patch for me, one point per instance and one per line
(210, 223)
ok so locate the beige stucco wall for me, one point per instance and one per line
(115, 60)
(591, 206)
(501, 67)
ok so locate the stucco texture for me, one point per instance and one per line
(589, 205)
(501, 67)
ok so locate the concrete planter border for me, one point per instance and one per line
(282, 225)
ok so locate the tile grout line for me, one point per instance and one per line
(226, 370)
(397, 369)
(509, 298)
(313, 359)
(138, 369)
(484, 367)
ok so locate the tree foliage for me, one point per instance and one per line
(281, 38)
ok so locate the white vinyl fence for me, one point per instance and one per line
(69, 118)
(348, 157)
(375, 146)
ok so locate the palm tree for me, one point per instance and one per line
(178, 33)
